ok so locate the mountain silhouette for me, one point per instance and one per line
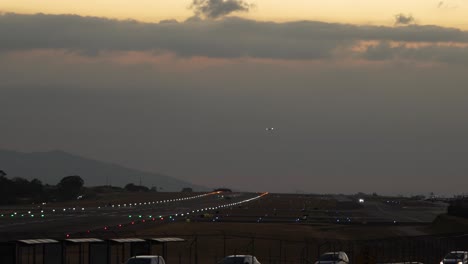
(50, 167)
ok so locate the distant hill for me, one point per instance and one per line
(51, 167)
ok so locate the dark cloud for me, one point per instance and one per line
(402, 19)
(446, 4)
(431, 53)
(219, 8)
(225, 38)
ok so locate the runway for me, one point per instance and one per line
(22, 222)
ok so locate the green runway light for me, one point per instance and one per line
(32, 215)
(170, 217)
(129, 216)
(42, 216)
(139, 216)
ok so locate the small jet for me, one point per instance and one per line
(269, 128)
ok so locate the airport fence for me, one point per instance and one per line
(210, 249)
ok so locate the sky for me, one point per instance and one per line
(451, 13)
(364, 97)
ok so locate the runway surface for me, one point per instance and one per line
(22, 222)
(124, 217)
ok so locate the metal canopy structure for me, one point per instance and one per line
(88, 248)
(163, 241)
(127, 240)
(130, 247)
(40, 251)
(168, 239)
(85, 240)
(38, 241)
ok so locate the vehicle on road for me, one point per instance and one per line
(338, 257)
(239, 259)
(456, 257)
(146, 260)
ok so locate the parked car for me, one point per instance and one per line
(338, 257)
(146, 260)
(456, 257)
(239, 259)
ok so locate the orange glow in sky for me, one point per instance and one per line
(452, 13)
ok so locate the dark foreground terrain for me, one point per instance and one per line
(277, 228)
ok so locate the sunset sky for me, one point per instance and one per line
(370, 94)
(450, 13)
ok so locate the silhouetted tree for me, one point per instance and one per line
(70, 187)
(36, 188)
(21, 187)
(187, 190)
(6, 189)
(134, 188)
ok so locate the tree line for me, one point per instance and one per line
(19, 190)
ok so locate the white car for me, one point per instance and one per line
(146, 260)
(338, 257)
(456, 257)
(240, 259)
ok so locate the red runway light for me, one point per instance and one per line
(120, 225)
(133, 223)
